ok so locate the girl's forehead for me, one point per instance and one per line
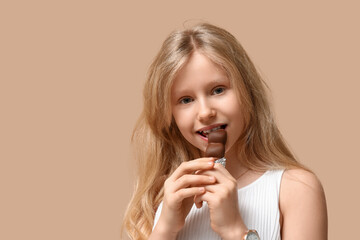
(198, 68)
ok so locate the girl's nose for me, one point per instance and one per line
(206, 112)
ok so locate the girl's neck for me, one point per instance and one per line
(233, 164)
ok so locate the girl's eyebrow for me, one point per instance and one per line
(221, 80)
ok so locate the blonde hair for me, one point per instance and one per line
(160, 148)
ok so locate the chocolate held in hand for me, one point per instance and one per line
(216, 145)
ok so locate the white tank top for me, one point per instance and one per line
(259, 209)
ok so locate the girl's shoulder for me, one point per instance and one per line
(301, 198)
(299, 179)
(299, 185)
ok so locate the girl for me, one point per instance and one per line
(201, 80)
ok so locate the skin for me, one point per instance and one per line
(202, 96)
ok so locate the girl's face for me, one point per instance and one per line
(202, 100)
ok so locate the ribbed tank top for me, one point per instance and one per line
(259, 209)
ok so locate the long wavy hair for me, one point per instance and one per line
(159, 145)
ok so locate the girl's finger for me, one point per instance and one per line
(192, 166)
(223, 170)
(188, 192)
(215, 188)
(198, 199)
(219, 172)
(198, 204)
(192, 180)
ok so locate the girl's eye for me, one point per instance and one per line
(218, 90)
(185, 100)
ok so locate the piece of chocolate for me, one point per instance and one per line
(218, 136)
(216, 150)
(216, 144)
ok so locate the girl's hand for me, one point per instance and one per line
(179, 191)
(222, 199)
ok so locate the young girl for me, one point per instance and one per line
(202, 80)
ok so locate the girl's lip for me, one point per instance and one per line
(202, 137)
(210, 127)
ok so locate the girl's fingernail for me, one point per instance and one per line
(202, 189)
(211, 178)
(210, 162)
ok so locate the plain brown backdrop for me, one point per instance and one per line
(71, 77)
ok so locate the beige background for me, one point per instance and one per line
(71, 76)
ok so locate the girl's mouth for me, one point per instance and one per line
(206, 132)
